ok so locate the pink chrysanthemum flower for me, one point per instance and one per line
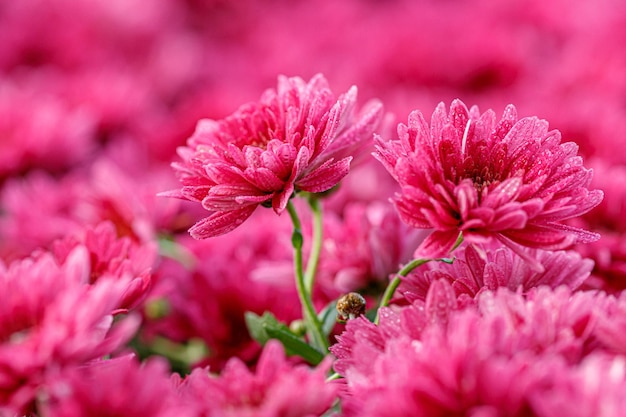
(297, 137)
(551, 321)
(225, 277)
(363, 246)
(276, 388)
(50, 318)
(114, 257)
(611, 328)
(595, 388)
(511, 180)
(120, 386)
(609, 253)
(497, 359)
(479, 268)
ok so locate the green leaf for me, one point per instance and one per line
(265, 327)
(296, 346)
(328, 317)
(256, 327)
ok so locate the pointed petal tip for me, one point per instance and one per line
(171, 193)
(220, 223)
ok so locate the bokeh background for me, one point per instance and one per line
(96, 95)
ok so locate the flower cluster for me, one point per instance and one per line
(395, 253)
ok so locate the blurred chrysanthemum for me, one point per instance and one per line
(277, 387)
(120, 386)
(297, 137)
(512, 180)
(51, 319)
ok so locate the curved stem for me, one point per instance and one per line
(308, 311)
(316, 247)
(395, 282)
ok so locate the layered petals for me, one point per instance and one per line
(478, 268)
(298, 137)
(512, 179)
(275, 389)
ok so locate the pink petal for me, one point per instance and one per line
(325, 176)
(437, 245)
(264, 179)
(440, 301)
(514, 218)
(523, 252)
(506, 191)
(279, 202)
(220, 222)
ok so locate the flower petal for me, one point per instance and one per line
(437, 245)
(220, 222)
(325, 177)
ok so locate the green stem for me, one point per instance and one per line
(395, 282)
(316, 247)
(308, 311)
(458, 242)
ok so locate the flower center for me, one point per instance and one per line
(254, 126)
(482, 179)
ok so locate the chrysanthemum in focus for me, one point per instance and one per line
(296, 138)
(511, 180)
(509, 355)
(473, 273)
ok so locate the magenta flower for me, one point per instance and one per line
(609, 253)
(296, 138)
(112, 257)
(50, 318)
(276, 388)
(224, 278)
(499, 357)
(479, 268)
(611, 328)
(120, 386)
(594, 388)
(39, 129)
(363, 245)
(510, 180)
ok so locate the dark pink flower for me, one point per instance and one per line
(111, 256)
(608, 253)
(611, 328)
(36, 210)
(554, 321)
(216, 281)
(40, 208)
(51, 318)
(276, 388)
(363, 246)
(479, 268)
(120, 386)
(594, 388)
(39, 129)
(512, 180)
(495, 359)
(296, 138)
